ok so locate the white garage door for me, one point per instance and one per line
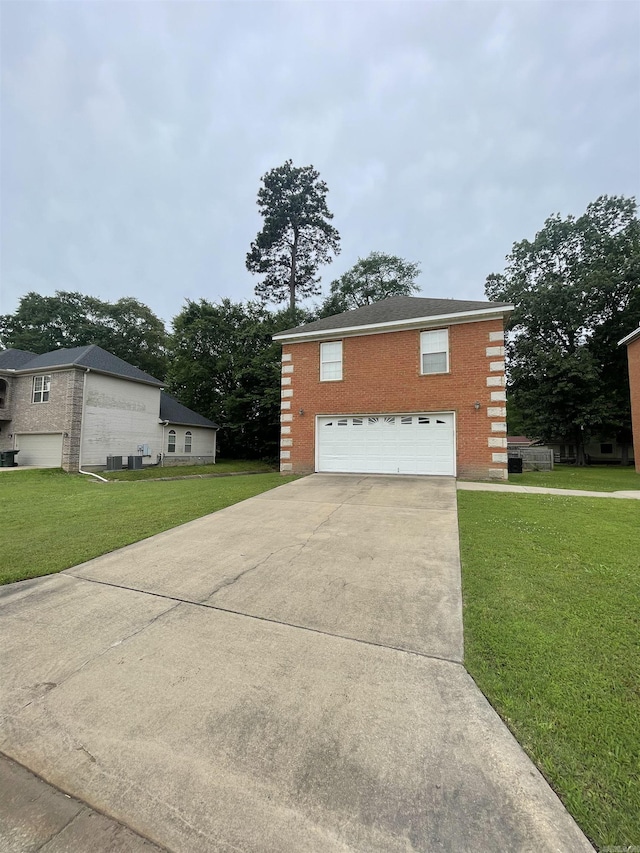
(43, 450)
(387, 444)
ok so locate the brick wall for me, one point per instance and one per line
(61, 414)
(381, 374)
(633, 355)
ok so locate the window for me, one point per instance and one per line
(331, 361)
(606, 448)
(41, 388)
(434, 351)
(171, 442)
(187, 442)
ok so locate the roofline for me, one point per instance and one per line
(54, 367)
(631, 337)
(168, 421)
(398, 325)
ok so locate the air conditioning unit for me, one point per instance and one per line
(114, 463)
(134, 463)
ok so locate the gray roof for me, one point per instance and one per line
(13, 359)
(396, 308)
(174, 412)
(91, 356)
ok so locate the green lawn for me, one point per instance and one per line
(552, 637)
(227, 466)
(596, 478)
(52, 520)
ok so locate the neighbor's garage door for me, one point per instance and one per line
(387, 444)
(44, 450)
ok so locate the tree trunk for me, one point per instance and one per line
(292, 277)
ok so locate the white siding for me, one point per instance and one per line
(203, 444)
(119, 415)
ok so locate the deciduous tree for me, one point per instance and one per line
(370, 279)
(225, 366)
(127, 328)
(576, 291)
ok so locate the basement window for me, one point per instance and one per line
(41, 388)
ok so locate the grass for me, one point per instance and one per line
(225, 466)
(52, 520)
(552, 628)
(596, 478)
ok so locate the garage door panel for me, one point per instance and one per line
(387, 444)
(43, 450)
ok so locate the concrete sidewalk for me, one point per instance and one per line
(540, 490)
(283, 675)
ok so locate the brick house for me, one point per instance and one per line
(72, 408)
(632, 343)
(406, 385)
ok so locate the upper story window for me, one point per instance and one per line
(3, 393)
(434, 351)
(187, 441)
(171, 441)
(41, 388)
(331, 361)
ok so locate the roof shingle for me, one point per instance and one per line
(396, 308)
(91, 356)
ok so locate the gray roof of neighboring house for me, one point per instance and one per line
(174, 412)
(13, 359)
(394, 309)
(92, 356)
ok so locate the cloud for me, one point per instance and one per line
(135, 134)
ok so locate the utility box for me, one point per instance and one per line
(514, 465)
(134, 463)
(114, 463)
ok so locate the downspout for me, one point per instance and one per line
(80, 471)
(164, 424)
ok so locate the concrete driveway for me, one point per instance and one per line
(283, 675)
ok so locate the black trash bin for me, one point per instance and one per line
(514, 465)
(8, 458)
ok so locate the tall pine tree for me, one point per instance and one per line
(297, 236)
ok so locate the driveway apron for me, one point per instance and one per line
(283, 675)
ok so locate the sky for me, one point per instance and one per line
(134, 135)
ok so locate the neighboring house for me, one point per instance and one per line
(596, 452)
(72, 408)
(632, 342)
(516, 442)
(406, 385)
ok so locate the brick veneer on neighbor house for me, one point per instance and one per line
(633, 355)
(62, 413)
(381, 374)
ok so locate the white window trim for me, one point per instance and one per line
(188, 436)
(171, 435)
(424, 352)
(326, 362)
(45, 388)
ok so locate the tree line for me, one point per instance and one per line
(575, 287)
